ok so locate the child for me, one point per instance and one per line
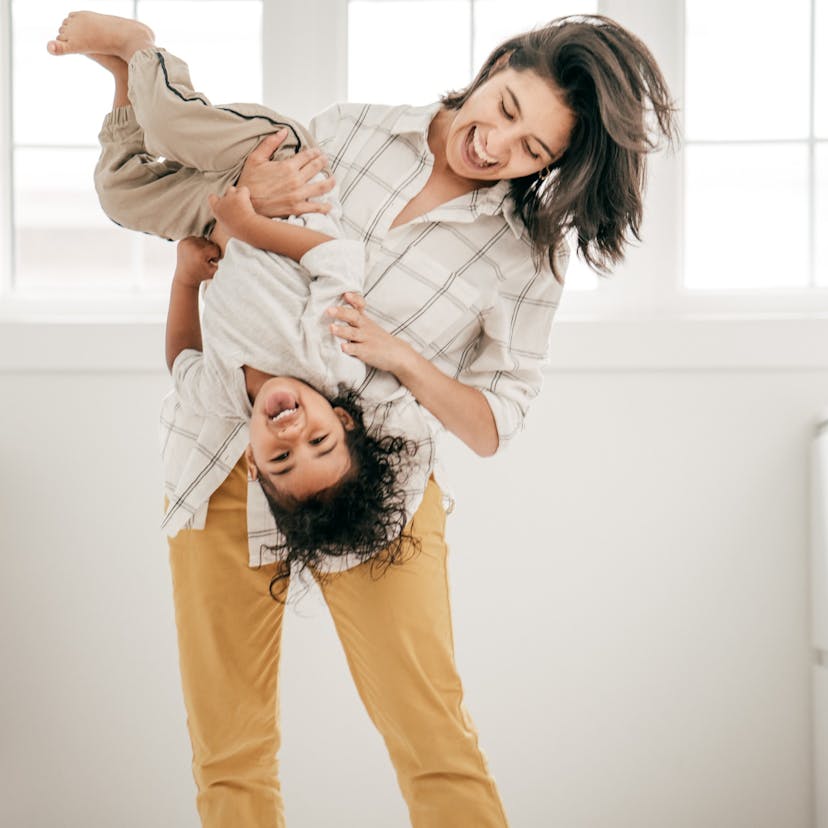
(341, 485)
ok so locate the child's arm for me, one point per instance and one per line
(235, 211)
(197, 260)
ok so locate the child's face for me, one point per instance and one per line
(297, 439)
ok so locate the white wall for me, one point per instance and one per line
(630, 594)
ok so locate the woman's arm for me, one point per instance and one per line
(235, 213)
(197, 260)
(463, 410)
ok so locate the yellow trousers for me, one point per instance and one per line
(397, 636)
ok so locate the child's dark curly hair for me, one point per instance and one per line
(361, 515)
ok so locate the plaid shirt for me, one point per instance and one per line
(458, 284)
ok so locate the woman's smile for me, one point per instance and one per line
(475, 153)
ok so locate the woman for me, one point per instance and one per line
(462, 206)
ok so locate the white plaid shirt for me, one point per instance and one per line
(457, 283)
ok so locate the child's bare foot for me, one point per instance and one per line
(111, 62)
(86, 33)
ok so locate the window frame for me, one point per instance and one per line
(603, 328)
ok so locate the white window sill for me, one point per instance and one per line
(135, 344)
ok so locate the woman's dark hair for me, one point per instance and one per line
(361, 515)
(622, 107)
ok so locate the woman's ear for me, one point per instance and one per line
(345, 418)
(252, 471)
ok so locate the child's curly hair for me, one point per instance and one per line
(361, 515)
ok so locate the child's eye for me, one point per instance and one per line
(279, 458)
(508, 115)
(317, 440)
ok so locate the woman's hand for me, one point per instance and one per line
(364, 339)
(282, 188)
(462, 409)
(196, 261)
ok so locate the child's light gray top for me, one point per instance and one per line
(265, 311)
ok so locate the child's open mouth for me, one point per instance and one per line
(281, 405)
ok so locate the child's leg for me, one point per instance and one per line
(203, 147)
(179, 123)
(138, 190)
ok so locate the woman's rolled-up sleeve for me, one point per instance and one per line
(507, 365)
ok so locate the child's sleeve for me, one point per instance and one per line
(201, 389)
(335, 267)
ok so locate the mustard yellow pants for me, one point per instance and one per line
(396, 633)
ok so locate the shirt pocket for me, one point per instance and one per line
(425, 303)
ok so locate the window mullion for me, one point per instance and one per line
(6, 173)
(812, 173)
(649, 282)
(304, 55)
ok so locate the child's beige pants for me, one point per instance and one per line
(162, 156)
(396, 631)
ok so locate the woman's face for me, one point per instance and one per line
(515, 124)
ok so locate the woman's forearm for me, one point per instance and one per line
(463, 410)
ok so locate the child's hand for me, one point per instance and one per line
(364, 339)
(234, 210)
(197, 261)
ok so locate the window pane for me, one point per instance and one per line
(821, 214)
(747, 69)
(57, 100)
(407, 52)
(496, 20)
(57, 216)
(579, 276)
(821, 66)
(221, 42)
(746, 217)
(58, 222)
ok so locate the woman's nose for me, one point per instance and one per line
(499, 141)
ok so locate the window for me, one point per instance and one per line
(756, 155)
(58, 107)
(731, 222)
(460, 34)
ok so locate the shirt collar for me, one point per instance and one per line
(487, 201)
(494, 201)
(415, 119)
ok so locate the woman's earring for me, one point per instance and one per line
(544, 172)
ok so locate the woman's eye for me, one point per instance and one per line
(317, 440)
(533, 155)
(508, 115)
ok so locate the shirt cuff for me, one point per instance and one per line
(342, 258)
(508, 418)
